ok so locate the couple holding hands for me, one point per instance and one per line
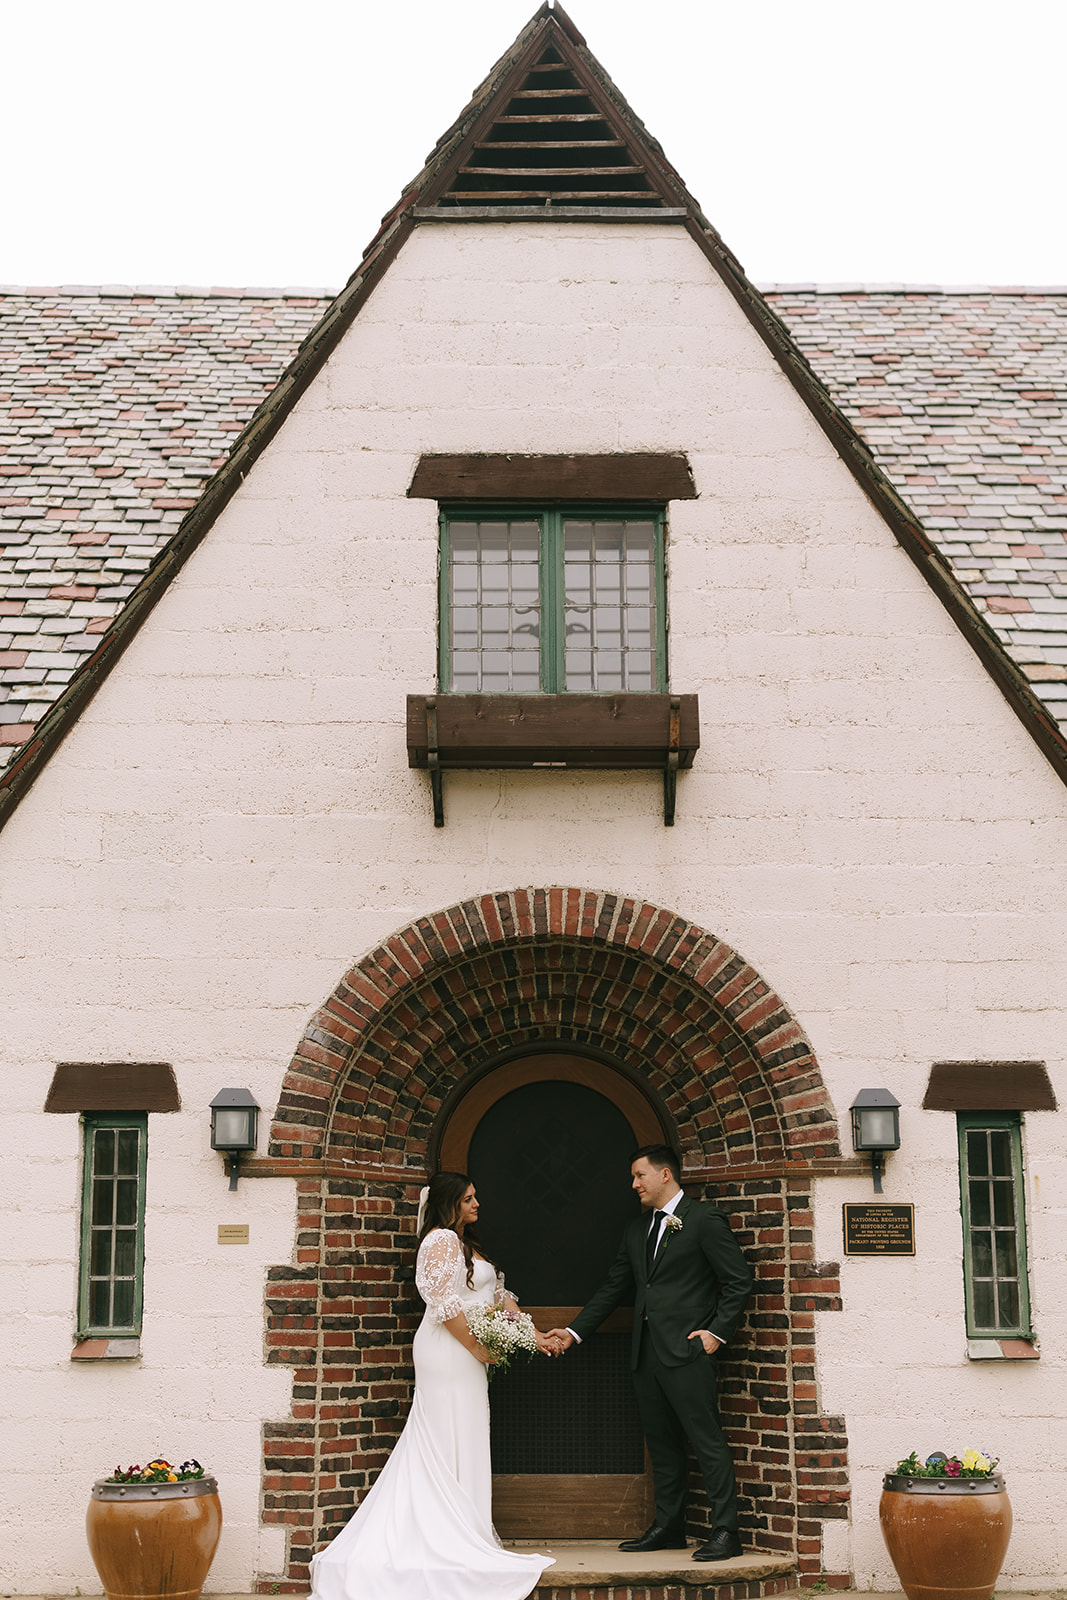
(424, 1530)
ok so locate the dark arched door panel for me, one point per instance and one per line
(551, 1163)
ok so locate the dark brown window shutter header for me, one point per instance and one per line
(989, 1086)
(622, 478)
(113, 1086)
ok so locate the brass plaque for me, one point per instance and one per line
(879, 1230)
(233, 1233)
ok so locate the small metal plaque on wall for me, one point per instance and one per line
(879, 1230)
(233, 1233)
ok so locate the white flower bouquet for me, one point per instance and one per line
(504, 1331)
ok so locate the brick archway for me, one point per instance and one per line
(443, 999)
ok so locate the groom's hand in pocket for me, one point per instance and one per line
(708, 1340)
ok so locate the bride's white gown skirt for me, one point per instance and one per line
(424, 1531)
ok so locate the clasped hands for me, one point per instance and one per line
(558, 1340)
(553, 1343)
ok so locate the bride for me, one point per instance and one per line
(424, 1531)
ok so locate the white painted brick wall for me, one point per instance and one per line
(233, 822)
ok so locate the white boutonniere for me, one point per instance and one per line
(671, 1224)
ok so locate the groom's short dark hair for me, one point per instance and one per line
(660, 1155)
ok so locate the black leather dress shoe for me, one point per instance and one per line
(723, 1544)
(656, 1538)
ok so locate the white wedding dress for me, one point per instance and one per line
(424, 1531)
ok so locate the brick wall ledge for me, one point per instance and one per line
(379, 1172)
(695, 1589)
(706, 1588)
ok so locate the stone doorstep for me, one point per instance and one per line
(586, 1563)
(790, 1594)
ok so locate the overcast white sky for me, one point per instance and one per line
(249, 142)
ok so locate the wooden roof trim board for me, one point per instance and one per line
(415, 201)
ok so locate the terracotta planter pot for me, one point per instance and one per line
(154, 1541)
(947, 1537)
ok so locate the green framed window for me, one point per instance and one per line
(112, 1233)
(994, 1224)
(546, 602)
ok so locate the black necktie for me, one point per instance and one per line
(653, 1236)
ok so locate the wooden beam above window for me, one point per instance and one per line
(634, 479)
(989, 1086)
(113, 1086)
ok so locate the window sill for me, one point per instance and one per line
(1002, 1350)
(606, 732)
(106, 1350)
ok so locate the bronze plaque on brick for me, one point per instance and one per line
(879, 1230)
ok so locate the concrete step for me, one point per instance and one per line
(595, 1563)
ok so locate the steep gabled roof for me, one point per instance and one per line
(441, 192)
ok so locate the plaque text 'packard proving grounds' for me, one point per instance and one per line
(879, 1230)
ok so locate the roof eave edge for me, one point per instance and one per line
(19, 777)
(851, 447)
(879, 489)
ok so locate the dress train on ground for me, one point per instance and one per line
(424, 1530)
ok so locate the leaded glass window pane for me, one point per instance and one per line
(608, 605)
(494, 573)
(551, 601)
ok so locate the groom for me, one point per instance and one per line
(683, 1270)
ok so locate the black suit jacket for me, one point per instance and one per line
(699, 1279)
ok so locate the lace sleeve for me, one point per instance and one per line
(437, 1273)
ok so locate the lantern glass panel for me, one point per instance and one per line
(233, 1127)
(877, 1131)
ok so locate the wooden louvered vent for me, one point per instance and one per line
(551, 146)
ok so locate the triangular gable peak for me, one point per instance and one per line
(440, 193)
(551, 143)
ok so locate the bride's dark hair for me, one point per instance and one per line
(442, 1211)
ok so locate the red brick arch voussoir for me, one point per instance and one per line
(453, 989)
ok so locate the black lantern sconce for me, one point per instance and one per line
(875, 1127)
(233, 1127)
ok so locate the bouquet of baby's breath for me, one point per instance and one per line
(504, 1331)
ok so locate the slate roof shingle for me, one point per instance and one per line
(118, 405)
(961, 396)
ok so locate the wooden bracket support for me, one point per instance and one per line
(670, 771)
(433, 761)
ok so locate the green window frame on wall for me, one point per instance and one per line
(552, 600)
(995, 1278)
(111, 1286)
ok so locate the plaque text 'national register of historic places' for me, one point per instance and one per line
(879, 1230)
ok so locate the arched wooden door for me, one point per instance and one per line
(547, 1139)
